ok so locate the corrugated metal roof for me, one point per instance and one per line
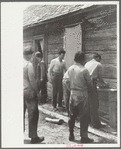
(38, 13)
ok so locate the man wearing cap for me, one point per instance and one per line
(55, 73)
(30, 95)
(41, 76)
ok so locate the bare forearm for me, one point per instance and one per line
(100, 78)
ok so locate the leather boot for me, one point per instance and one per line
(71, 136)
(71, 124)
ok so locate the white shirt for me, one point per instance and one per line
(94, 68)
(57, 66)
(79, 78)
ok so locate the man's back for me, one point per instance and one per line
(25, 75)
(29, 81)
(78, 76)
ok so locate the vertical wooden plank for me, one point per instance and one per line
(113, 109)
(46, 48)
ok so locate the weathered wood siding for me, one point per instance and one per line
(108, 106)
(55, 41)
(101, 37)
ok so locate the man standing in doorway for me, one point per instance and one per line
(79, 82)
(95, 70)
(41, 76)
(55, 73)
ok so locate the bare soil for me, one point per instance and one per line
(58, 134)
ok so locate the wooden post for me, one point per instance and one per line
(112, 96)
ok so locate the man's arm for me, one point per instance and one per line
(101, 82)
(50, 69)
(38, 72)
(88, 80)
(100, 78)
(66, 80)
(32, 78)
(65, 69)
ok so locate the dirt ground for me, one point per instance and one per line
(58, 134)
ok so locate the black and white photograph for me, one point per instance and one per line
(64, 74)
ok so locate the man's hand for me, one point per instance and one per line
(103, 85)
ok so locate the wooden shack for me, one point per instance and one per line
(88, 28)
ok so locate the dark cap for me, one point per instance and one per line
(38, 54)
(27, 50)
(96, 55)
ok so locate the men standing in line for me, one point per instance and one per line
(95, 70)
(41, 76)
(80, 82)
(30, 95)
(55, 73)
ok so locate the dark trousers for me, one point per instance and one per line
(43, 87)
(94, 106)
(82, 110)
(57, 89)
(66, 97)
(31, 104)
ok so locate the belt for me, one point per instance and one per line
(58, 73)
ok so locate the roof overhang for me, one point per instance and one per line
(81, 11)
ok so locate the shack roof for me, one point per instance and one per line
(36, 14)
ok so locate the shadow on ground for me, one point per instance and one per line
(27, 141)
(100, 141)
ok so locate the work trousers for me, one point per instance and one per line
(82, 110)
(66, 97)
(31, 104)
(57, 89)
(94, 106)
(43, 88)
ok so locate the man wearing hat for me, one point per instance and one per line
(41, 76)
(30, 95)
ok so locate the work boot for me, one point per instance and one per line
(37, 140)
(55, 109)
(86, 140)
(71, 136)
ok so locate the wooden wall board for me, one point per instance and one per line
(101, 45)
(102, 33)
(56, 37)
(107, 57)
(109, 71)
(102, 11)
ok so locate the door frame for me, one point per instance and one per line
(41, 37)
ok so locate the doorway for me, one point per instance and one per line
(72, 43)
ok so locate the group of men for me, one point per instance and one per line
(80, 92)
